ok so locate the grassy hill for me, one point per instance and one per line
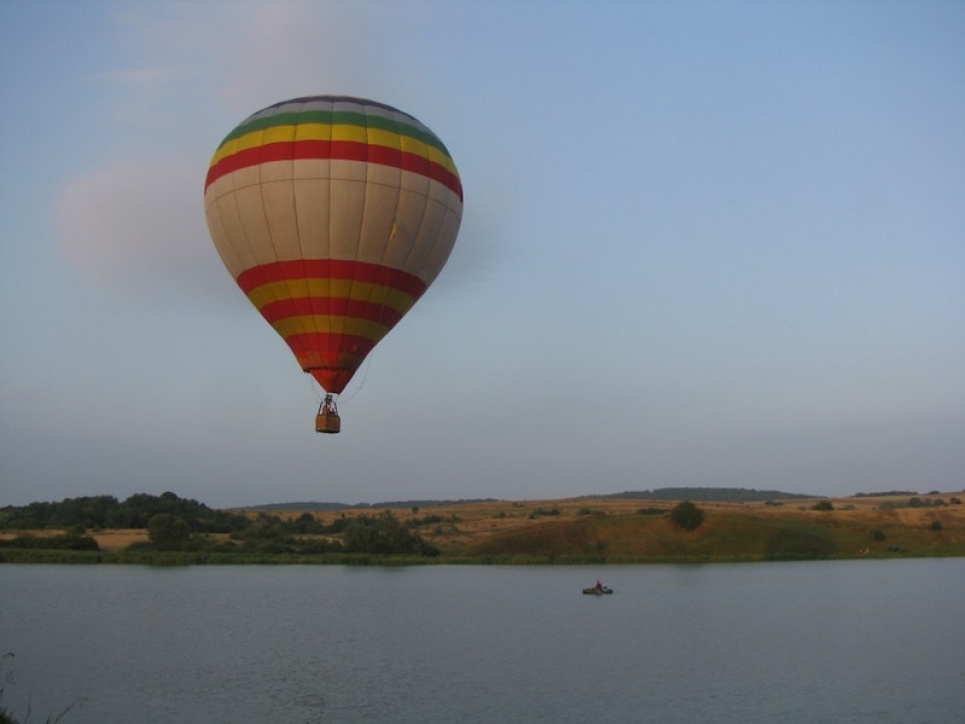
(599, 529)
(614, 529)
(622, 530)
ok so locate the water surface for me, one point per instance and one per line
(849, 641)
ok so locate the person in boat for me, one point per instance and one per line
(599, 586)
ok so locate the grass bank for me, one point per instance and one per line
(734, 534)
(592, 531)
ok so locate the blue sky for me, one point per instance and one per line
(704, 244)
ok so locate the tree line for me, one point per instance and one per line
(105, 511)
(706, 495)
(178, 524)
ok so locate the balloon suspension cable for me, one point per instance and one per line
(364, 369)
(327, 419)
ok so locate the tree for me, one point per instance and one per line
(687, 516)
(167, 532)
(384, 535)
(809, 543)
(306, 524)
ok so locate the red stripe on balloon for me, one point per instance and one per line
(336, 151)
(331, 358)
(298, 270)
(331, 306)
(327, 347)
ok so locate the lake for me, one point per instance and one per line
(829, 641)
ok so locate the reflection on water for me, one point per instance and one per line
(791, 642)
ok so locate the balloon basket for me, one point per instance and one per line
(328, 423)
(327, 419)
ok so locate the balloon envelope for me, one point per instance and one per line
(334, 215)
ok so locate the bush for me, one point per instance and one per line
(384, 535)
(56, 542)
(687, 516)
(936, 525)
(823, 505)
(6, 715)
(168, 532)
(800, 544)
(878, 534)
(432, 520)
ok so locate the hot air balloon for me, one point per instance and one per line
(334, 215)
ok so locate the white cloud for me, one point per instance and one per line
(191, 72)
(139, 76)
(281, 50)
(248, 54)
(138, 226)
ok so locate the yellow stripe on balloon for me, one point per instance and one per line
(250, 140)
(228, 148)
(328, 132)
(313, 131)
(328, 324)
(337, 288)
(278, 134)
(359, 134)
(437, 156)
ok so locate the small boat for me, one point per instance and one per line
(597, 590)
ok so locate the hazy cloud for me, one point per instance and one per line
(137, 226)
(257, 53)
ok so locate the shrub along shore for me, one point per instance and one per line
(168, 530)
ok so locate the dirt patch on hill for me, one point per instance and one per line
(119, 539)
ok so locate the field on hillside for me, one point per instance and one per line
(638, 529)
(580, 529)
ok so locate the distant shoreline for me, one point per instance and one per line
(575, 531)
(165, 559)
